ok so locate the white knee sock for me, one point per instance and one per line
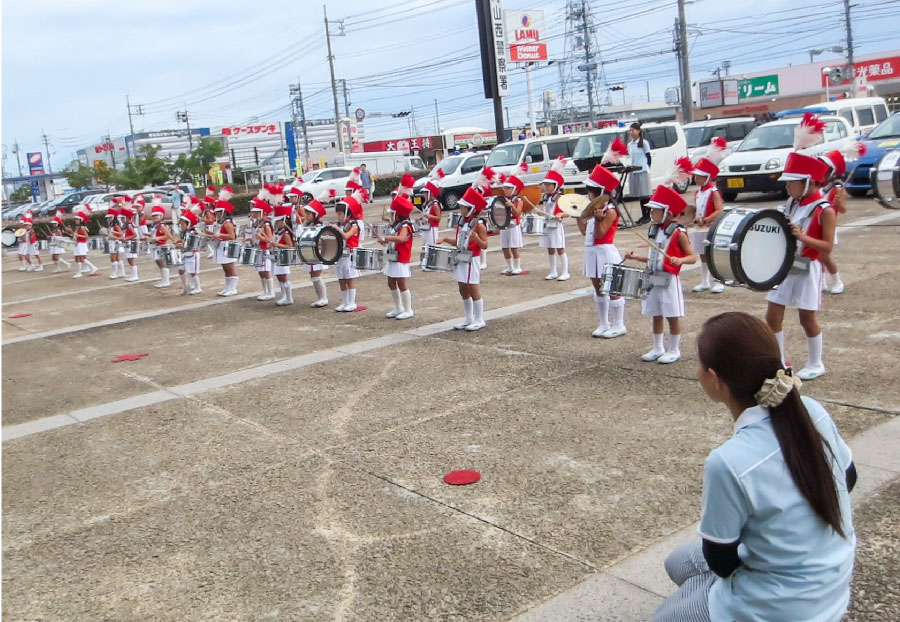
(288, 292)
(602, 310)
(565, 263)
(517, 263)
(183, 278)
(351, 296)
(231, 284)
(552, 260)
(164, 275)
(674, 343)
(407, 300)
(134, 273)
(319, 286)
(265, 284)
(779, 337)
(478, 310)
(88, 263)
(815, 345)
(467, 307)
(395, 295)
(509, 262)
(66, 263)
(704, 275)
(617, 308)
(659, 342)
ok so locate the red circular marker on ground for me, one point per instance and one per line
(130, 357)
(18, 315)
(461, 478)
(359, 308)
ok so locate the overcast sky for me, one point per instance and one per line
(67, 66)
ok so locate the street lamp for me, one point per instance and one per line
(837, 49)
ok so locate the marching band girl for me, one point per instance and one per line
(837, 196)
(399, 251)
(666, 298)
(348, 224)
(81, 246)
(284, 238)
(129, 233)
(554, 238)
(313, 212)
(599, 231)
(22, 249)
(113, 227)
(812, 223)
(33, 247)
(209, 203)
(708, 206)
(226, 233)
(189, 271)
(511, 237)
(471, 237)
(57, 228)
(160, 237)
(263, 235)
(432, 209)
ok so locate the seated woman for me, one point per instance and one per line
(777, 535)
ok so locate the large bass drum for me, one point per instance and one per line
(885, 177)
(9, 237)
(753, 247)
(320, 245)
(499, 215)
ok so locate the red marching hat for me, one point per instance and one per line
(668, 199)
(189, 217)
(283, 211)
(602, 177)
(473, 199)
(402, 206)
(801, 167)
(514, 182)
(554, 175)
(706, 167)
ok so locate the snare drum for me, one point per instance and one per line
(95, 243)
(133, 246)
(194, 242)
(171, 256)
(62, 241)
(367, 258)
(232, 249)
(619, 280)
(380, 229)
(43, 245)
(753, 247)
(252, 256)
(109, 245)
(456, 219)
(285, 256)
(442, 258)
(533, 224)
(320, 245)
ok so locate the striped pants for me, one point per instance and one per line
(688, 569)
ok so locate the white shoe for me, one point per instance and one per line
(516, 271)
(837, 288)
(131, 279)
(506, 271)
(669, 357)
(599, 331)
(60, 270)
(266, 297)
(93, 271)
(114, 275)
(615, 331)
(230, 292)
(462, 326)
(350, 307)
(162, 284)
(196, 291)
(39, 268)
(718, 288)
(24, 268)
(811, 373)
(700, 288)
(405, 315)
(210, 255)
(341, 307)
(551, 277)
(564, 277)
(319, 304)
(392, 314)
(77, 275)
(475, 326)
(652, 355)
(29, 269)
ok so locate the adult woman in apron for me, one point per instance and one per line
(639, 181)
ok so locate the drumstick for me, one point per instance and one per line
(652, 244)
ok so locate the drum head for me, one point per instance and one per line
(885, 176)
(329, 245)
(9, 238)
(500, 215)
(765, 249)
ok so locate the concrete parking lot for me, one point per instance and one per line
(286, 463)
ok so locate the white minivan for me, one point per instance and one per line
(667, 144)
(460, 172)
(862, 113)
(537, 153)
(700, 134)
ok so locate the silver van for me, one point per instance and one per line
(538, 153)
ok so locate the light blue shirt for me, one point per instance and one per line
(795, 567)
(365, 178)
(638, 155)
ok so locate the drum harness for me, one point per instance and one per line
(659, 277)
(390, 252)
(793, 208)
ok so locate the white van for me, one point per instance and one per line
(382, 163)
(862, 113)
(538, 153)
(700, 134)
(667, 144)
(460, 172)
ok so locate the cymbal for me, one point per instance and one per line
(573, 204)
(19, 232)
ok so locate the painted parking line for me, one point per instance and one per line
(166, 394)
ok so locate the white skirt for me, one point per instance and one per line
(192, 262)
(801, 290)
(511, 237)
(595, 257)
(665, 301)
(35, 250)
(554, 238)
(266, 266)
(430, 236)
(57, 250)
(468, 272)
(313, 268)
(23, 248)
(280, 270)
(81, 249)
(220, 257)
(397, 270)
(344, 269)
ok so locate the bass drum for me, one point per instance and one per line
(320, 245)
(753, 247)
(9, 237)
(885, 177)
(499, 214)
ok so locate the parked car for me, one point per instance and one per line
(862, 113)
(538, 153)
(667, 144)
(319, 180)
(757, 163)
(885, 137)
(460, 171)
(700, 133)
(381, 163)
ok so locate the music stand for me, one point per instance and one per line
(618, 196)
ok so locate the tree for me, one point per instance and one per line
(144, 170)
(78, 175)
(22, 193)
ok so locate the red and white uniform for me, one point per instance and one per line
(600, 250)
(803, 290)
(56, 232)
(430, 235)
(665, 300)
(219, 256)
(191, 259)
(554, 236)
(399, 269)
(81, 242)
(468, 271)
(344, 269)
(703, 199)
(298, 231)
(283, 237)
(511, 237)
(33, 245)
(131, 233)
(830, 199)
(266, 265)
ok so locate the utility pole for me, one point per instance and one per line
(337, 112)
(138, 110)
(687, 94)
(112, 149)
(588, 60)
(296, 90)
(437, 119)
(183, 117)
(19, 162)
(850, 65)
(46, 142)
(346, 99)
(531, 118)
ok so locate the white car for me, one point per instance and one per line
(460, 172)
(757, 163)
(318, 181)
(700, 133)
(537, 153)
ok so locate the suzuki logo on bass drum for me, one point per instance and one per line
(762, 228)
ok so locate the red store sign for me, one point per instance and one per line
(250, 129)
(404, 145)
(873, 70)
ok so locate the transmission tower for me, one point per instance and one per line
(582, 82)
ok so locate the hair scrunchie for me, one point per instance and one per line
(774, 390)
